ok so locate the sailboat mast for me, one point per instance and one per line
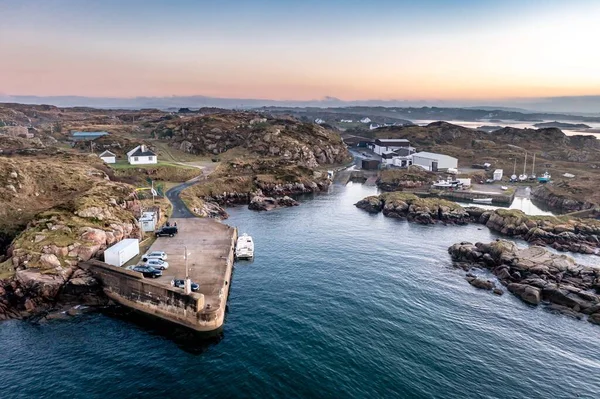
(533, 167)
(515, 167)
(525, 164)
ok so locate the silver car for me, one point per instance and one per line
(154, 255)
(157, 264)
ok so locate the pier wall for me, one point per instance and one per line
(131, 289)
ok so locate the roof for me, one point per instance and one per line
(122, 244)
(499, 171)
(141, 151)
(386, 142)
(432, 155)
(89, 134)
(107, 154)
(403, 152)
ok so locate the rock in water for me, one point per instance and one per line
(535, 274)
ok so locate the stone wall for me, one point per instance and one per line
(131, 289)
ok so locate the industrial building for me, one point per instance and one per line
(434, 162)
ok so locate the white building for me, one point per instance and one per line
(433, 162)
(319, 121)
(141, 155)
(108, 157)
(374, 126)
(498, 173)
(365, 120)
(382, 145)
(346, 120)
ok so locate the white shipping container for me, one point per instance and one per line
(122, 252)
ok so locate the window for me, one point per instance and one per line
(135, 159)
(150, 158)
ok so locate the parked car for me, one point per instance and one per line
(180, 283)
(157, 264)
(166, 231)
(148, 271)
(154, 255)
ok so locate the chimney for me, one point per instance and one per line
(143, 148)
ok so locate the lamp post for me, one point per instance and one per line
(188, 282)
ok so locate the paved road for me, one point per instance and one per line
(180, 210)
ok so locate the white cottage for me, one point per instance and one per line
(141, 155)
(108, 157)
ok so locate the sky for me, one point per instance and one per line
(301, 50)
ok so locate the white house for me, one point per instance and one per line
(382, 145)
(433, 162)
(498, 173)
(346, 120)
(141, 155)
(365, 120)
(108, 157)
(374, 126)
(319, 121)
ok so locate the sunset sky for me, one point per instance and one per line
(308, 49)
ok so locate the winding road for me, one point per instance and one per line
(180, 210)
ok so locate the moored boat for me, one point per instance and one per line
(244, 248)
(545, 178)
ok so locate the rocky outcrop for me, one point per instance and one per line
(414, 209)
(372, 204)
(536, 275)
(259, 202)
(33, 294)
(565, 203)
(306, 144)
(573, 235)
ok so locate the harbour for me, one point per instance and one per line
(203, 251)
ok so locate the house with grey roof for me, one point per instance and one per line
(141, 155)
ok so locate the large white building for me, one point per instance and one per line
(141, 155)
(434, 162)
(384, 145)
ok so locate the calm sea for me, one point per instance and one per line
(337, 304)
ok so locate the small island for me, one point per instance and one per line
(562, 125)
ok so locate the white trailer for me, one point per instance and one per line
(122, 252)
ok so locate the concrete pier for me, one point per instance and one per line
(210, 256)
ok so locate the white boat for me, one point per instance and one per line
(244, 248)
(504, 188)
(483, 200)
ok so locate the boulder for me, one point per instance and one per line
(527, 293)
(49, 261)
(480, 283)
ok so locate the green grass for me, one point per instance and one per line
(123, 164)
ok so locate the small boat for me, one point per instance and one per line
(244, 247)
(545, 178)
(483, 200)
(522, 177)
(504, 188)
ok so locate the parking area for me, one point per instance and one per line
(208, 244)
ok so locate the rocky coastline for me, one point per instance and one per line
(414, 209)
(535, 275)
(563, 203)
(561, 233)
